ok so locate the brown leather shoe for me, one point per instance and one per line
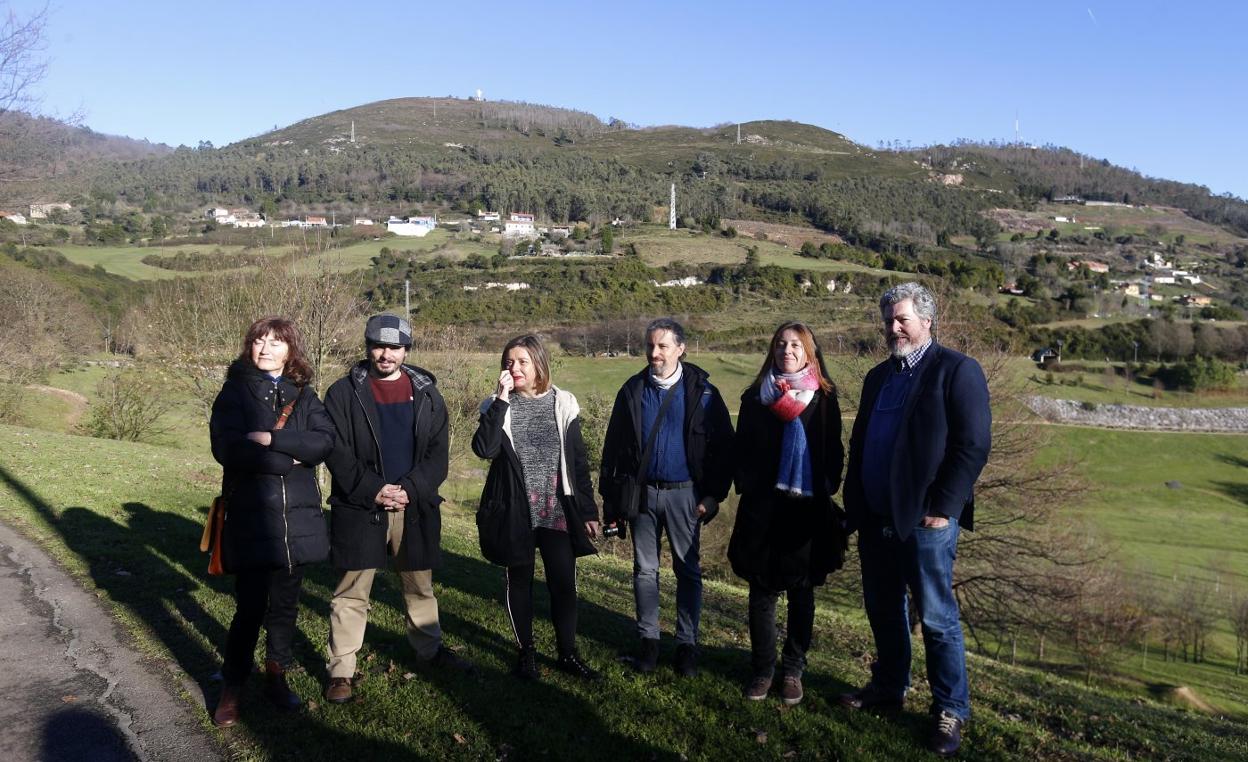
(871, 699)
(339, 690)
(791, 690)
(276, 690)
(226, 713)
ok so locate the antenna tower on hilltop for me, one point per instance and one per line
(352, 130)
(738, 133)
(1017, 138)
(671, 214)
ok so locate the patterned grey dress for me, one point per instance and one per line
(535, 435)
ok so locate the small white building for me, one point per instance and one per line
(418, 227)
(518, 225)
(362, 221)
(42, 211)
(313, 221)
(485, 216)
(14, 217)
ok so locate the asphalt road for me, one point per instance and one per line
(71, 686)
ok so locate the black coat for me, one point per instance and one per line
(942, 444)
(708, 438)
(504, 524)
(273, 506)
(780, 541)
(358, 526)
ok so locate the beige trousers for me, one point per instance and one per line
(348, 611)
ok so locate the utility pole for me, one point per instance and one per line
(407, 299)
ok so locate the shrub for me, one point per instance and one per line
(129, 407)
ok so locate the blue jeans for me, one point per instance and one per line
(676, 511)
(923, 563)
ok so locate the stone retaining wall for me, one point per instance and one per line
(1226, 419)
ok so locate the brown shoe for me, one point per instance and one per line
(226, 713)
(791, 690)
(758, 688)
(339, 690)
(277, 690)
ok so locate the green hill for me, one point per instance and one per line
(130, 531)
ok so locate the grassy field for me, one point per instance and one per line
(130, 528)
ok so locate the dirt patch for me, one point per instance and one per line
(792, 236)
(78, 403)
(1185, 696)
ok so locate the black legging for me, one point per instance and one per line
(560, 564)
(270, 598)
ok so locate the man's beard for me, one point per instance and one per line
(898, 353)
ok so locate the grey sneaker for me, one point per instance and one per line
(791, 690)
(758, 688)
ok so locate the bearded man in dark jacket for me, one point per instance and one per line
(390, 457)
(687, 471)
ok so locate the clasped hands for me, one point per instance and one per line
(392, 497)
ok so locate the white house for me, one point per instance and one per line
(412, 226)
(14, 217)
(313, 221)
(41, 211)
(1164, 276)
(485, 216)
(519, 224)
(217, 213)
(362, 221)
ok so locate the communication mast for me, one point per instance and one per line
(352, 130)
(671, 214)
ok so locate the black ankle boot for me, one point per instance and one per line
(572, 664)
(526, 664)
(276, 690)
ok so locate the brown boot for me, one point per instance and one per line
(226, 713)
(275, 688)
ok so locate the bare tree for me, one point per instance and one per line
(1100, 619)
(1239, 623)
(22, 64)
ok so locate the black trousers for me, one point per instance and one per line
(269, 598)
(560, 564)
(799, 630)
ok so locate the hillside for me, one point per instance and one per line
(42, 157)
(134, 542)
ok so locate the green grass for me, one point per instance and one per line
(659, 246)
(129, 530)
(127, 260)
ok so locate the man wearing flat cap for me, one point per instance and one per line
(389, 458)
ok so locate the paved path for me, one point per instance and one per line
(72, 687)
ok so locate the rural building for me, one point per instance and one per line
(488, 216)
(362, 221)
(1096, 267)
(418, 227)
(313, 221)
(14, 217)
(519, 224)
(1164, 276)
(41, 211)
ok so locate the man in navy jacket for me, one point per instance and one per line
(920, 440)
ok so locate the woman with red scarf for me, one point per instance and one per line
(788, 534)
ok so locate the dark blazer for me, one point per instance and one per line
(780, 541)
(708, 438)
(942, 444)
(273, 506)
(358, 525)
(504, 524)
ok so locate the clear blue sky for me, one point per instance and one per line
(1159, 87)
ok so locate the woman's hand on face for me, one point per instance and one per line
(592, 529)
(262, 438)
(505, 385)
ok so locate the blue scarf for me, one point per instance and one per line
(787, 395)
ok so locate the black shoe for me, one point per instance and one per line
(526, 664)
(448, 660)
(871, 699)
(946, 734)
(687, 660)
(572, 664)
(647, 658)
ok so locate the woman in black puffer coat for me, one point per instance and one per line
(789, 533)
(273, 521)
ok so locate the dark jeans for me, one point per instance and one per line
(266, 597)
(924, 564)
(560, 564)
(798, 630)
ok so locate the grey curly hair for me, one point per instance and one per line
(924, 302)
